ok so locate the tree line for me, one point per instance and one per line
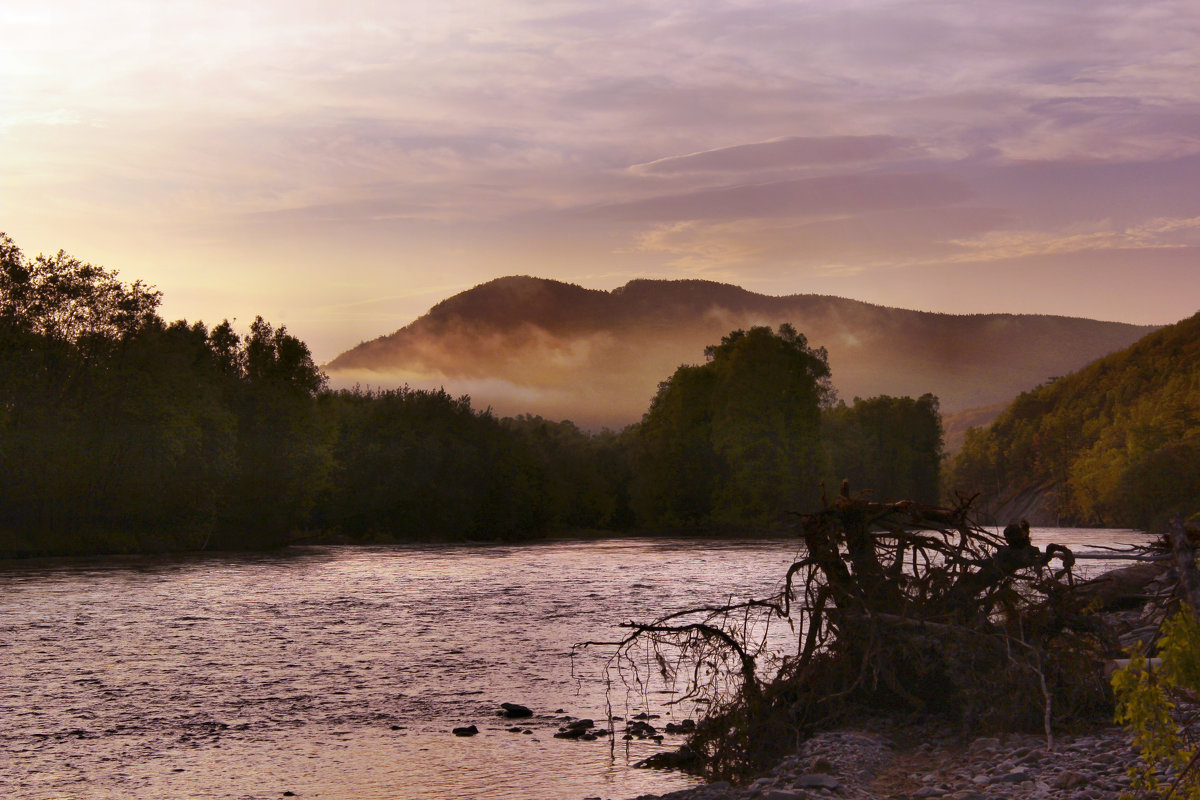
(122, 432)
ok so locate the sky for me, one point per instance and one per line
(341, 167)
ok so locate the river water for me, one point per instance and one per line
(338, 672)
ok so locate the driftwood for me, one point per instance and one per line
(894, 606)
(1125, 587)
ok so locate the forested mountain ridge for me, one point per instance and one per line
(1116, 443)
(563, 351)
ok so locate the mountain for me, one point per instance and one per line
(523, 344)
(1116, 443)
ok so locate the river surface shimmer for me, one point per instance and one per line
(338, 672)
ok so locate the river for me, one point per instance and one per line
(339, 672)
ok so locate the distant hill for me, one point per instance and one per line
(524, 344)
(1116, 443)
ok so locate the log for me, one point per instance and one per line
(1124, 587)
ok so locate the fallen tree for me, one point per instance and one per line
(896, 608)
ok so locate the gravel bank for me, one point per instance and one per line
(868, 765)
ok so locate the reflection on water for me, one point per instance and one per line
(337, 672)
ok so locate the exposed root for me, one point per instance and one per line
(896, 607)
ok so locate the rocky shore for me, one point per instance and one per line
(937, 765)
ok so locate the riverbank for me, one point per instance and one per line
(129, 541)
(938, 763)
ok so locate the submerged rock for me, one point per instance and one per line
(670, 759)
(687, 726)
(516, 711)
(469, 730)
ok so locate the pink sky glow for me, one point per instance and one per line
(340, 167)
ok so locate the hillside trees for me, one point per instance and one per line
(1119, 440)
(418, 464)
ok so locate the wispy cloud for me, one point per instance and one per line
(781, 154)
(407, 145)
(1155, 234)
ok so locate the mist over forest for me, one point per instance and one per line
(533, 345)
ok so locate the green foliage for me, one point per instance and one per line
(1119, 439)
(1145, 706)
(889, 445)
(676, 468)
(121, 432)
(416, 464)
(735, 441)
(64, 299)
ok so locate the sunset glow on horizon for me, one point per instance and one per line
(340, 169)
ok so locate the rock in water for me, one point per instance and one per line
(470, 730)
(516, 710)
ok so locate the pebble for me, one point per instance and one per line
(862, 765)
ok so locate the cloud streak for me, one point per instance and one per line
(779, 154)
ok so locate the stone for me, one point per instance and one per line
(1016, 776)
(516, 710)
(1034, 755)
(469, 730)
(1068, 780)
(985, 743)
(671, 759)
(640, 729)
(570, 733)
(821, 764)
(686, 726)
(928, 791)
(815, 780)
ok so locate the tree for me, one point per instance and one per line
(735, 440)
(284, 446)
(120, 432)
(770, 388)
(63, 298)
(889, 445)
